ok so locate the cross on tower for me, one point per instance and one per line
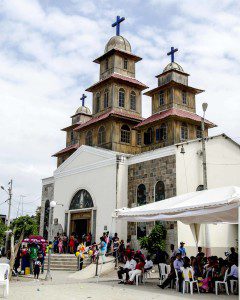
(172, 53)
(83, 99)
(117, 24)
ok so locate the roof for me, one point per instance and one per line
(173, 112)
(173, 83)
(106, 115)
(120, 78)
(66, 150)
(169, 71)
(120, 52)
(71, 126)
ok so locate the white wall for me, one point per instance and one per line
(96, 174)
(223, 169)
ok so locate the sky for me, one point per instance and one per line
(46, 53)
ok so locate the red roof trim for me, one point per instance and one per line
(120, 77)
(104, 116)
(173, 83)
(173, 112)
(65, 150)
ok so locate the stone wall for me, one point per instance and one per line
(149, 173)
(47, 194)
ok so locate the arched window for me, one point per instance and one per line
(121, 98)
(98, 99)
(125, 64)
(184, 98)
(106, 96)
(200, 188)
(159, 191)
(148, 136)
(106, 64)
(161, 98)
(133, 100)
(141, 195)
(46, 219)
(101, 135)
(89, 138)
(82, 199)
(125, 134)
(198, 132)
(184, 132)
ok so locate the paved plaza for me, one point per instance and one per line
(63, 286)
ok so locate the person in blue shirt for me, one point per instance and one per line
(103, 249)
(182, 250)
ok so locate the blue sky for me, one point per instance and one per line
(46, 54)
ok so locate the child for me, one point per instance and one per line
(60, 246)
(37, 266)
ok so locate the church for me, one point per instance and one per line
(115, 158)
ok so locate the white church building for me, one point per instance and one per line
(115, 158)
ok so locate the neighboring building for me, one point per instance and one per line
(115, 158)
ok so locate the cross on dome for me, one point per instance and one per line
(117, 24)
(172, 53)
(83, 99)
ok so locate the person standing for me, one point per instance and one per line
(60, 246)
(103, 249)
(173, 251)
(37, 266)
(71, 244)
(182, 250)
(33, 253)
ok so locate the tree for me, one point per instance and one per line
(156, 239)
(38, 216)
(24, 223)
(3, 228)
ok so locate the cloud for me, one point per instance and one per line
(46, 53)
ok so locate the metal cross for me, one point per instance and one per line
(83, 99)
(117, 24)
(172, 53)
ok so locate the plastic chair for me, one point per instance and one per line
(177, 281)
(146, 275)
(224, 282)
(232, 282)
(139, 278)
(162, 272)
(189, 281)
(4, 278)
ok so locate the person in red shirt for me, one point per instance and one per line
(138, 270)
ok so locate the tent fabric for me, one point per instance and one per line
(209, 206)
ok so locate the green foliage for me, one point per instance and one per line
(26, 223)
(38, 215)
(156, 239)
(3, 228)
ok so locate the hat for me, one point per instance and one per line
(182, 243)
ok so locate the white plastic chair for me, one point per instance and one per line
(224, 282)
(162, 272)
(146, 275)
(232, 282)
(4, 278)
(189, 281)
(177, 281)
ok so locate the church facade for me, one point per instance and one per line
(115, 158)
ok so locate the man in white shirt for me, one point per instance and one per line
(129, 266)
(148, 263)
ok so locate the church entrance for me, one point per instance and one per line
(80, 223)
(82, 215)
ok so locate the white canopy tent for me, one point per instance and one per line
(219, 205)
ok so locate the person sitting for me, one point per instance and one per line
(171, 275)
(148, 264)
(233, 275)
(178, 263)
(130, 265)
(138, 270)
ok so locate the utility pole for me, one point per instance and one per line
(9, 191)
(204, 106)
(205, 185)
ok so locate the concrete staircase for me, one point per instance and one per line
(64, 262)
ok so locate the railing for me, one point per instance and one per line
(97, 271)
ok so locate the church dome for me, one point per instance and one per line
(83, 110)
(173, 66)
(118, 42)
